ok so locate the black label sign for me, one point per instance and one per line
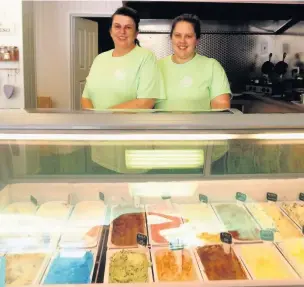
(301, 196)
(164, 197)
(101, 196)
(272, 196)
(34, 200)
(226, 237)
(142, 239)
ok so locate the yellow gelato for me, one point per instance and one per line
(294, 251)
(265, 262)
(285, 229)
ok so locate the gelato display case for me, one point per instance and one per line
(149, 199)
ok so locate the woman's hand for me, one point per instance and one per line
(136, 104)
(86, 104)
(221, 102)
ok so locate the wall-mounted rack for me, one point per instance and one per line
(10, 66)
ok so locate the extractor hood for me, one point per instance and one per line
(219, 17)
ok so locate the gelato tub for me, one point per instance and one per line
(293, 250)
(161, 222)
(125, 225)
(59, 210)
(204, 222)
(264, 261)
(167, 270)
(71, 267)
(238, 222)
(25, 269)
(284, 227)
(81, 237)
(20, 208)
(216, 264)
(128, 266)
(295, 210)
(88, 213)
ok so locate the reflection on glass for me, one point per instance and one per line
(196, 157)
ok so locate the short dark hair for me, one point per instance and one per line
(130, 12)
(190, 18)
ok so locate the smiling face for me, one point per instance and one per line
(123, 32)
(184, 41)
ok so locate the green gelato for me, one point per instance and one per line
(128, 266)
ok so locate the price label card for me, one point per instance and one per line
(267, 235)
(101, 196)
(176, 245)
(301, 196)
(226, 237)
(142, 239)
(34, 200)
(70, 198)
(241, 196)
(272, 196)
(203, 198)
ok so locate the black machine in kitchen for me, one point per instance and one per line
(275, 83)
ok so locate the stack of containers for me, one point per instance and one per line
(126, 262)
(74, 260)
(32, 237)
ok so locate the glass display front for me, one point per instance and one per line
(80, 207)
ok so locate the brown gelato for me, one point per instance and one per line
(126, 227)
(219, 265)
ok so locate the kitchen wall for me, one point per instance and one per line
(52, 33)
(241, 55)
(11, 13)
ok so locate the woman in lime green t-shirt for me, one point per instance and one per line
(126, 77)
(192, 81)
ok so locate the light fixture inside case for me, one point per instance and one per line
(164, 159)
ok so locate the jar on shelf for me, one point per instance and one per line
(12, 53)
(16, 53)
(1, 53)
(7, 56)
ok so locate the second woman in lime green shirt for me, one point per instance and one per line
(192, 81)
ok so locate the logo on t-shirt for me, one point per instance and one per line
(120, 74)
(186, 82)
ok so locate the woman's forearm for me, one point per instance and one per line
(86, 104)
(221, 102)
(136, 104)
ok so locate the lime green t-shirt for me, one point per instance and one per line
(115, 80)
(192, 86)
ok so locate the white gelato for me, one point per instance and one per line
(23, 269)
(20, 208)
(55, 210)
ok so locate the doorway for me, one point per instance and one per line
(89, 37)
